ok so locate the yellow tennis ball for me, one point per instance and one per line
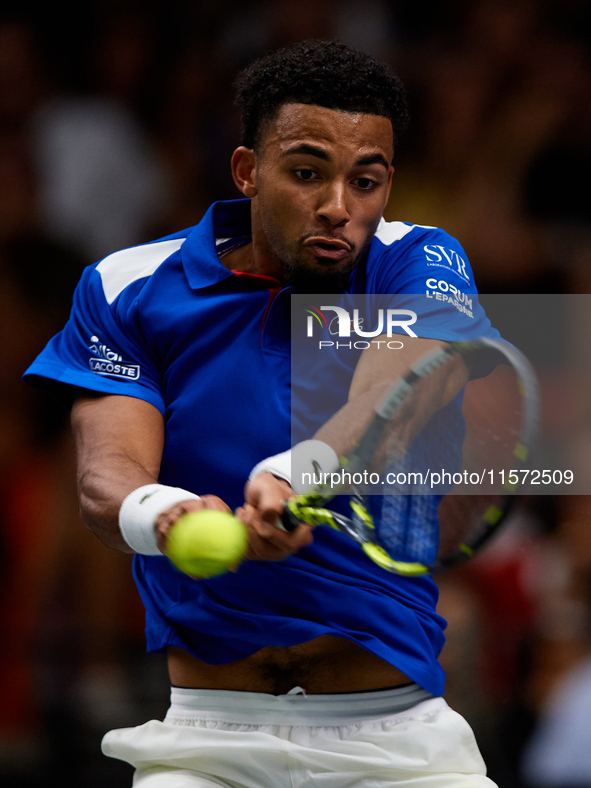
(206, 543)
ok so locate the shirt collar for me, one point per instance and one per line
(224, 219)
(202, 265)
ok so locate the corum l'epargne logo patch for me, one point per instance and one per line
(444, 291)
(108, 362)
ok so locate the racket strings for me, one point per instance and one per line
(403, 520)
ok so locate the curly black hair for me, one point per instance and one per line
(327, 73)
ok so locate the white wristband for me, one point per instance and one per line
(279, 465)
(140, 510)
(308, 459)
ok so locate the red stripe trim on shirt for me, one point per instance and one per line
(272, 292)
(263, 277)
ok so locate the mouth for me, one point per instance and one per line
(331, 248)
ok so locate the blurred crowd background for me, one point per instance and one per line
(116, 126)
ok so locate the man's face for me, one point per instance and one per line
(322, 181)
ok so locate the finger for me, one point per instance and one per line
(280, 540)
(212, 502)
(262, 549)
(168, 518)
(266, 543)
(251, 515)
(268, 494)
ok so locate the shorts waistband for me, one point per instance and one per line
(295, 708)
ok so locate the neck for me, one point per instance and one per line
(246, 259)
(255, 257)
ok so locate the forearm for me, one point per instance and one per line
(119, 446)
(103, 484)
(350, 422)
(433, 393)
(107, 503)
(119, 442)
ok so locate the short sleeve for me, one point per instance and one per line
(100, 349)
(428, 272)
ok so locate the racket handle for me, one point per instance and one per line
(287, 521)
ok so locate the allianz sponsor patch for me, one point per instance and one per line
(444, 291)
(108, 362)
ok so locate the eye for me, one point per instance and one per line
(365, 183)
(305, 175)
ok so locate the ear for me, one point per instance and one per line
(244, 171)
(390, 176)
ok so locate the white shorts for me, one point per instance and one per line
(251, 740)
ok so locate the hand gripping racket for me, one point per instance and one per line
(438, 510)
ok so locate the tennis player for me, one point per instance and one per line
(309, 665)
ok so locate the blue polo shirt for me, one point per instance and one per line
(168, 323)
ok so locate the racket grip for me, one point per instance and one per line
(287, 521)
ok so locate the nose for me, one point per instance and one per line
(332, 207)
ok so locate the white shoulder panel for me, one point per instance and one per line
(122, 268)
(388, 232)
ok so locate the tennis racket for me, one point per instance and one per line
(436, 503)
